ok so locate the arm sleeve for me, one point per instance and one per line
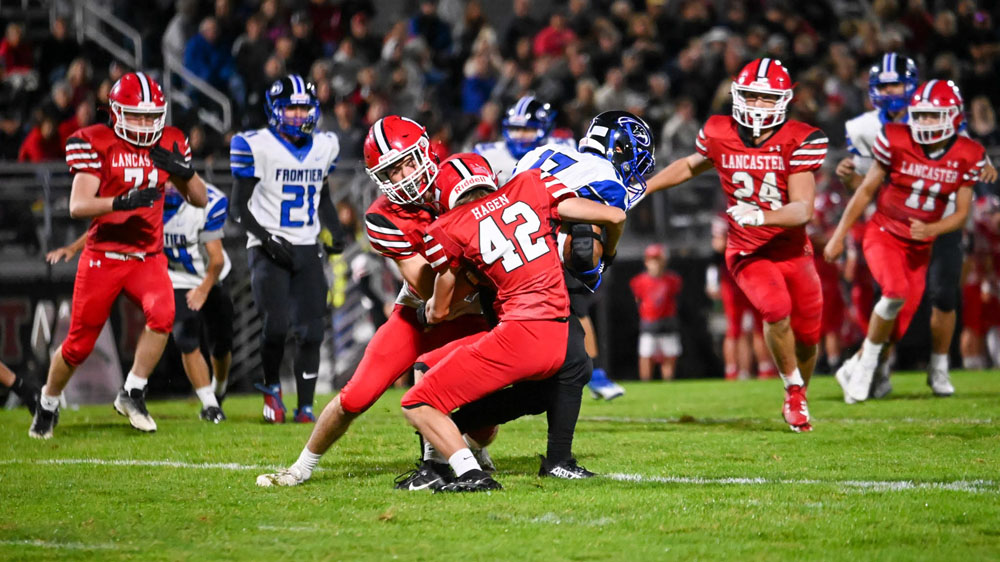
(386, 238)
(809, 155)
(81, 156)
(218, 210)
(972, 174)
(241, 160)
(557, 190)
(441, 251)
(242, 190)
(881, 149)
(701, 143)
(328, 216)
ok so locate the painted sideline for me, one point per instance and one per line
(697, 420)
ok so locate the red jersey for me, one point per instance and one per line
(397, 231)
(919, 186)
(122, 166)
(759, 175)
(657, 296)
(985, 243)
(509, 238)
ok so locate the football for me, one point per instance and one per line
(589, 251)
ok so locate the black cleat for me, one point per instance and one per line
(212, 414)
(43, 423)
(567, 469)
(428, 475)
(472, 481)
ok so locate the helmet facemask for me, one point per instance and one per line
(759, 118)
(935, 131)
(411, 188)
(137, 133)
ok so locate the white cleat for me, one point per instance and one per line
(940, 382)
(860, 383)
(290, 476)
(843, 377)
(132, 404)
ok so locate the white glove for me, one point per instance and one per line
(746, 214)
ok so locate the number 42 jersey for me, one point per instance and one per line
(759, 175)
(292, 179)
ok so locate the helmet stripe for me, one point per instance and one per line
(892, 62)
(461, 168)
(762, 68)
(144, 82)
(927, 89)
(296, 83)
(885, 62)
(522, 105)
(379, 128)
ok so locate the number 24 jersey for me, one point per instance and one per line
(292, 179)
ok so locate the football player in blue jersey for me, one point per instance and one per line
(526, 126)
(610, 167)
(280, 175)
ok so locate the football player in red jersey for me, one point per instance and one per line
(119, 174)
(925, 162)
(766, 166)
(507, 236)
(980, 295)
(398, 159)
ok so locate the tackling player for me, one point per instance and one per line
(281, 177)
(766, 165)
(526, 126)
(119, 174)
(507, 237)
(925, 162)
(613, 158)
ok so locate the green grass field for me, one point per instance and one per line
(691, 470)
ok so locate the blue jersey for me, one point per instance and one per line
(592, 176)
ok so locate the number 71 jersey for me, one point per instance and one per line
(291, 181)
(919, 186)
(759, 175)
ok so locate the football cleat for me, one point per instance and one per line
(43, 422)
(471, 481)
(304, 415)
(428, 475)
(274, 408)
(860, 382)
(602, 387)
(132, 404)
(484, 459)
(291, 476)
(843, 376)
(567, 469)
(881, 385)
(940, 382)
(212, 414)
(796, 410)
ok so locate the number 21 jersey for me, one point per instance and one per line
(759, 175)
(291, 181)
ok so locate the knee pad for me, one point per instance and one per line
(888, 308)
(945, 299)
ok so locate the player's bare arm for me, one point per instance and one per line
(213, 269)
(855, 208)
(801, 198)
(439, 305)
(963, 202)
(579, 209)
(678, 172)
(847, 174)
(418, 274)
(83, 199)
(66, 253)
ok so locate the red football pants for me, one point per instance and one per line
(99, 280)
(736, 306)
(513, 351)
(780, 289)
(394, 348)
(900, 269)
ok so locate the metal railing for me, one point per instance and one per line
(221, 122)
(90, 21)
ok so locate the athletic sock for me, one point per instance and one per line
(306, 372)
(307, 461)
(50, 403)
(793, 379)
(939, 361)
(207, 396)
(432, 454)
(869, 355)
(134, 381)
(271, 354)
(306, 385)
(463, 461)
(219, 386)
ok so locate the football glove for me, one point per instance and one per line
(422, 315)
(135, 198)
(171, 161)
(279, 249)
(746, 214)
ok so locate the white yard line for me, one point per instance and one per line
(974, 486)
(709, 421)
(130, 462)
(59, 545)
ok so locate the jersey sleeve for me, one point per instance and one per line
(241, 158)
(557, 190)
(386, 238)
(215, 216)
(881, 150)
(971, 175)
(441, 251)
(701, 143)
(809, 155)
(81, 156)
(334, 153)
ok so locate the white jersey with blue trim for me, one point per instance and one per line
(186, 228)
(592, 176)
(502, 161)
(292, 179)
(861, 133)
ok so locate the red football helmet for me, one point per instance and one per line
(133, 96)
(763, 76)
(935, 111)
(390, 141)
(460, 173)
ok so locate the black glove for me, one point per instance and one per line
(335, 247)
(279, 249)
(171, 161)
(135, 198)
(422, 315)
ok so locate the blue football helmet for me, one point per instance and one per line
(288, 91)
(527, 113)
(892, 68)
(627, 142)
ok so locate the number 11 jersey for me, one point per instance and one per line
(291, 181)
(759, 175)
